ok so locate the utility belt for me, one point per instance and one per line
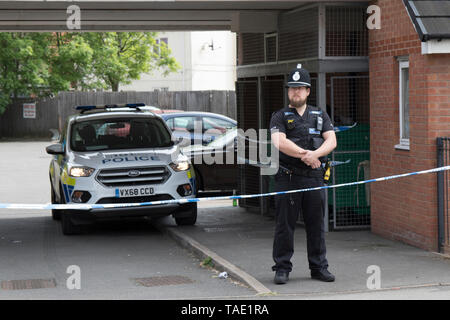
(312, 173)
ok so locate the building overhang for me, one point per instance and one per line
(144, 15)
(431, 20)
(329, 65)
(436, 46)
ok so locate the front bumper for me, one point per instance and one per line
(101, 194)
(154, 211)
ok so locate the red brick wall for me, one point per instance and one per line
(405, 209)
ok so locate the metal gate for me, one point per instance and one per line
(247, 116)
(350, 107)
(273, 99)
(443, 179)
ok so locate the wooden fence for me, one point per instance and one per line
(52, 112)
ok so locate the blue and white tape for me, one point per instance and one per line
(162, 202)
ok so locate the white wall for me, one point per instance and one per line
(179, 44)
(213, 60)
(202, 67)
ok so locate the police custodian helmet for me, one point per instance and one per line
(299, 77)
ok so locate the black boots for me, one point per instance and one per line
(281, 277)
(322, 275)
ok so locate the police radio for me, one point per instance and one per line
(319, 123)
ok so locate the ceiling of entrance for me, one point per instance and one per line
(238, 16)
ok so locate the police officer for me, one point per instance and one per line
(304, 136)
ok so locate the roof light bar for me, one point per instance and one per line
(110, 106)
(85, 108)
(135, 105)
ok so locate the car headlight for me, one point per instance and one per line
(180, 166)
(81, 171)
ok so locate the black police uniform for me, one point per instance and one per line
(306, 131)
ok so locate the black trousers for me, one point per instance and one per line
(288, 206)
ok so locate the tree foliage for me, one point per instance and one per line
(42, 64)
(120, 57)
(23, 65)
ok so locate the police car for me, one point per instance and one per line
(117, 154)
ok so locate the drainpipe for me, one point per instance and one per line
(440, 193)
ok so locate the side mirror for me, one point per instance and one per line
(182, 142)
(55, 149)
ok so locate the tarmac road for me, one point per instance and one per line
(109, 258)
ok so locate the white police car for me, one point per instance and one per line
(119, 154)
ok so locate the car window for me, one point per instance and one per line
(170, 124)
(129, 133)
(216, 125)
(184, 124)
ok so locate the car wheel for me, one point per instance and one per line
(56, 214)
(68, 227)
(189, 216)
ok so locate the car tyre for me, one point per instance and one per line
(188, 220)
(68, 227)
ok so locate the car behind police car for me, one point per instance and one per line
(119, 154)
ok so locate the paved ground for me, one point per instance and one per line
(245, 240)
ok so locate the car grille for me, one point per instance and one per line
(157, 197)
(133, 176)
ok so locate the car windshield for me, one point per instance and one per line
(132, 133)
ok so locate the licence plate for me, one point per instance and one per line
(134, 192)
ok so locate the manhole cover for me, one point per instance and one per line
(28, 284)
(162, 281)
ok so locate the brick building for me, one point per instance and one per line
(406, 209)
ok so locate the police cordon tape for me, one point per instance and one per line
(162, 202)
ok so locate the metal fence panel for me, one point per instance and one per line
(346, 31)
(252, 51)
(247, 97)
(350, 105)
(298, 34)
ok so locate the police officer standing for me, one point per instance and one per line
(304, 136)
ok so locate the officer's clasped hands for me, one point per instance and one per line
(310, 159)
